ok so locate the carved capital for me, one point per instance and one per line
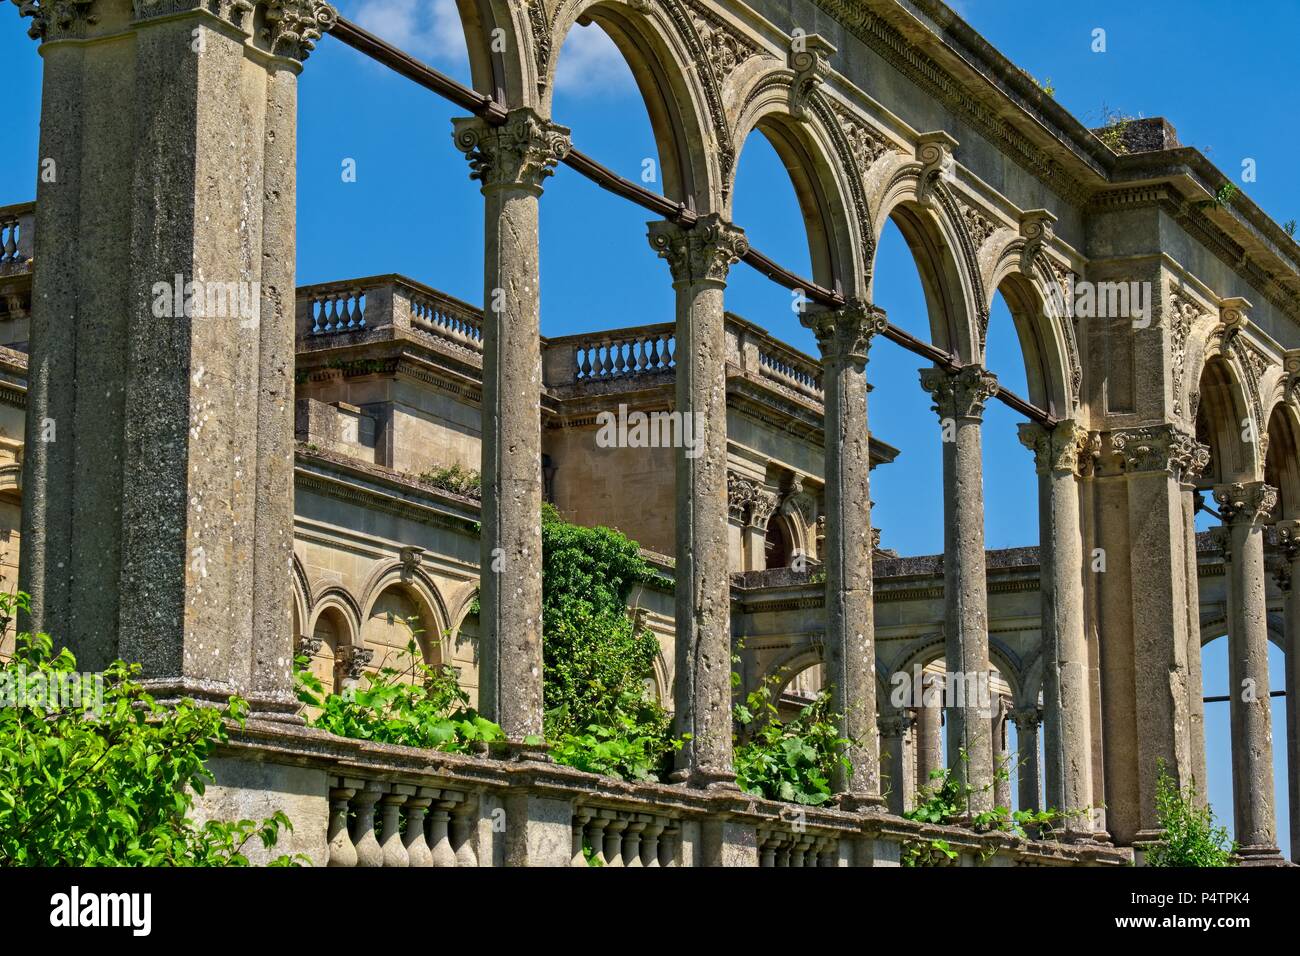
(960, 394)
(934, 153)
(309, 646)
(354, 660)
(293, 26)
(1245, 502)
(897, 724)
(1026, 719)
(1055, 449)
(1164, 448)
(1037, 229)
(704, 253)
(749, 501)
(521, 152)
(58, 19)
(845, 334)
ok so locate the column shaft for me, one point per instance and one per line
(1244, 507)
(511, 161)
(1028, 780)
(1066, 670)
(844, 338)
(959, 400)
(700, 259)
(929, 731)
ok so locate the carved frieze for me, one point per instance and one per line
(1183, 313)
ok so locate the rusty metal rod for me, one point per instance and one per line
(482, 105)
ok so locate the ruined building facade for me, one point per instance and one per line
(207, 496)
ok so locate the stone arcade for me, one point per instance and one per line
(162, 523)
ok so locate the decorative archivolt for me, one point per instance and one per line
(406, 572)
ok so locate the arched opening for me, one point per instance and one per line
(332, 632)
(397, 617)
(778, 543)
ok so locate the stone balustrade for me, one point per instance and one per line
(385, 823)
(358, 803)
(606, 356)
(17, 237)
(354, 307)
(624, 838)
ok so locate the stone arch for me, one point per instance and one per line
(668, 63)
(505, 70)
(1046, 339)
(1222, 414)
(345, 604)
(819, 161)
(334, 632)
(394, 592)
(1282, 458)
(940, 247)
(301, 590)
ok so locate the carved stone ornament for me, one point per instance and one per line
(845, 334)
(1037, 229)
(810, 60)
(523, 151)
(354, 660)
(934, 153)
(1247, 502)
(704, 253)
(961, 394)
(1165, 448)
(1055, 449)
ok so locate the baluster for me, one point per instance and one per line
(462, 832)
(783, 852)
(650, 842)
(10, 232)
(632, 842)
(439, 838)
(341, 850)
(390, 840)
(595, 838)
(668, 845)
(829, 853)
(581, 816)
(614, 842)
(369, 852)
(766, 848)
(417, 847)
(584, 363)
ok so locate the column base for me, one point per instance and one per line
(1261, 855)
(519, 750)
(714, 780)
(860, 802)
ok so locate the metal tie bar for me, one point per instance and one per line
(489, 109)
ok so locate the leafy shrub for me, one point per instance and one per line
(113, 783)
(792, 761)
(599, 714)
(1188, 835)
(416, 706)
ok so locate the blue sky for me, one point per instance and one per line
(1225, 77)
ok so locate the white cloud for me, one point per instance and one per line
(591, 65)
(429, 29)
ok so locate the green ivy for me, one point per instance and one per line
(1189, 836)
(600, 716)
(793, 761)
(416, 705)
(456, 479)
(113, 783)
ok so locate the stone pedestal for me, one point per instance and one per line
(1244, 507)
(844, 338)
(511, 161)
(959, 401)
(700, 259)
(158, 522)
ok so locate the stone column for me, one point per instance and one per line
(844, 338)
(1245, 507)
(1289, 539)
(898, 741)
(1028, 781)
(158, 522)
(1066, 692)
(511, 161)
(929, 731)
(700, 259)
(959, 400)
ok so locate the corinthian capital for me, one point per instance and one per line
(523, 151)
(1245, 502)
(287, 27)
(704, 253)
(1055, 449)
(1164, 448)
(846, 333)
(960, 394)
